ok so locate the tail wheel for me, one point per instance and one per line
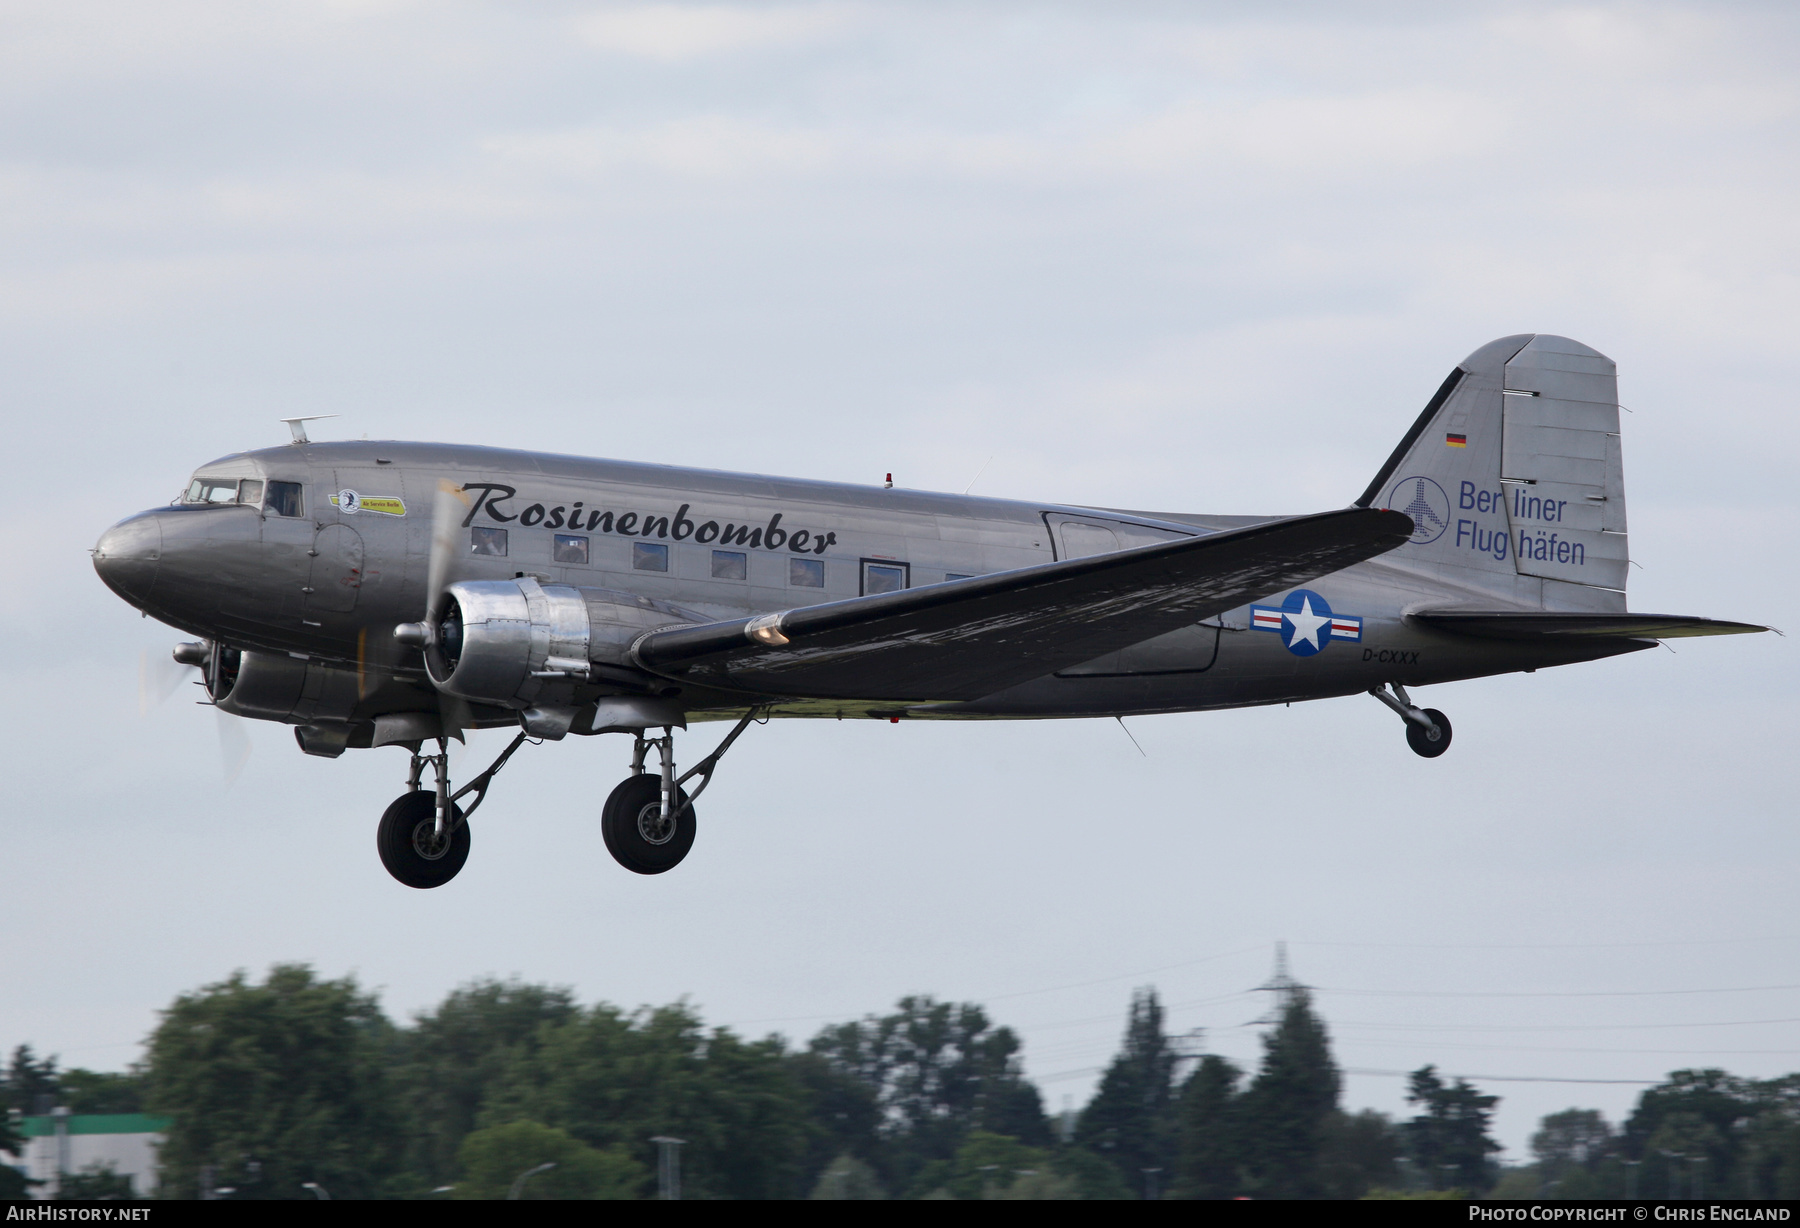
(410, 847)
(637, 835)
(1426, 742)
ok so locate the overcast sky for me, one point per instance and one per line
(1204, 258)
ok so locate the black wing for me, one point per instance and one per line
(969, 638)
(1553, 625)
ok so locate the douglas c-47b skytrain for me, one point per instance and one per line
(377, 594)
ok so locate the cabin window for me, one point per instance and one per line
(648, 556)
(806, 573)
(882, 577)
(569, 548)
(1082, 540)
(730, 565)
(212, 490)
(489, 542)
(284, 498)
(250, 491)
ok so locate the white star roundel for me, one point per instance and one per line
(1305, 623)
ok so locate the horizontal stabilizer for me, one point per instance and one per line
(968, 638)
(1544, 625)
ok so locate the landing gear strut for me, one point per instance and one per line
(423, 837)
(1427, 729)
(648, 822)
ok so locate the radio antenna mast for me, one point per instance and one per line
(298, 426)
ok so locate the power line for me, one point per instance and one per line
(1407, 1074)
(1547, 993)
(1547, 946)
(1026, 993)
(1123, 976)
(1399, 1074)
(1415, 1044)
(1551, 1027)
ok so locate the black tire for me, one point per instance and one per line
(630, 823)
(405, 843)
(1421, 740)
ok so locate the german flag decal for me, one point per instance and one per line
(1456, 441)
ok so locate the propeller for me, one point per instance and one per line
(377, 655)
(234, 746)
(448, 508)
(446, 516)
(158, 676)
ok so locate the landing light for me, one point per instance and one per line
(765, 630)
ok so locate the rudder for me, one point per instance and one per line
(1513, 475)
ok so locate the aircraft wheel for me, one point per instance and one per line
(1426, 743)
(634, 830)
(407, 844)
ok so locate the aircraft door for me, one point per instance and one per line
(337, 569)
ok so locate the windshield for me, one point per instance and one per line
(224, 490)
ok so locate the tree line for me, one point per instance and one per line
(298, 1079)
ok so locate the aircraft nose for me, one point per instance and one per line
(128, 554)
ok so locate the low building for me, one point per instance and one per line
(63, 1142)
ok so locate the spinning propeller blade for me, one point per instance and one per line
(446, 516)
(234, 746)
(158, 676)
(378, 657)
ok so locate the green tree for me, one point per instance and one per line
(1706, 1117)
(1132, 1118)
(491, 1160)
(843, 1116)
(1208, 1154)
(848, 1179)
(1093, 1179)
(616, 1080)
(97, 1182)
(274, 1085)
(936, 1071)
(30, 1083)
(1769, 1156)
(1360, 1152)
(1571, 1148)
(1572, 1137)
(13, 1183)
(455, 1057)
(987, 1164)
(1449, 1138)
(1286, 1109)
(91, 1091)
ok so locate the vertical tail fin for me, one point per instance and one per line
(1513, 475)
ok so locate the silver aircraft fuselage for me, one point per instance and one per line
(328, 583)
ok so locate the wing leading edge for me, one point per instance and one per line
(969, 638)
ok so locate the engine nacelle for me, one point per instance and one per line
(525, 645)
(508, 641)
(275, 687)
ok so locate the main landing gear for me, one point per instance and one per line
(648, 821)
(423, 837)
(1427, 729)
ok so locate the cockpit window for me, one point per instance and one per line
(250, 491)
(284, 499)
(212, 490)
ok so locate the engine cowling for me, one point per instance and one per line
(522, 644)
(505, 641)
(276, 687)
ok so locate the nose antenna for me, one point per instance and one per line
(298, 426)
